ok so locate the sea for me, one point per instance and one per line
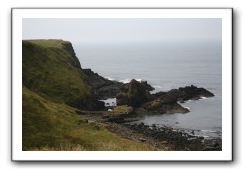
(166, 65)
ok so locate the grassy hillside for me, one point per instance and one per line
(52, 82)
(51, 69)
(54, 126)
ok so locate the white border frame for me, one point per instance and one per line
(19, 155)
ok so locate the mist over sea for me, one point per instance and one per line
(166, 66)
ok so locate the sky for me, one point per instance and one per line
(123, 30)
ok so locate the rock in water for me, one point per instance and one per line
(137, 94)
(183, 94)
(167, 102)
(159, 107)
(193, 92)
(134, 93)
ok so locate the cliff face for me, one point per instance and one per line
(102, 88)
(51, 69)
(54, 86)
(137, 94)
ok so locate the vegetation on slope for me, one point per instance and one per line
(51, 69)
(53, 81)
(54, 126)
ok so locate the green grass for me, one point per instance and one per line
(122, 109)
(51, 69)
(53, 81)
(54, 126)
(153, 105)
(56, 43)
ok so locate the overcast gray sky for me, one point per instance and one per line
(123, 30)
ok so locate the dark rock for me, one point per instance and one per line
(90, 103)
(183, 94)
(134, 93)
(102, 88)
(182, 140)
(160, 107)
(191, 92)
(142, 139)
(141, 125)
(147, 86)
(116, 119)
(167, 102)
(168, 97)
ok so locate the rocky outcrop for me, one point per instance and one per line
(137, 94)
(193, 93)
(52, 70)
(183, 94)
(134, 93)
(102, 88)
(160, 107)
(90, 103)
(167, 102)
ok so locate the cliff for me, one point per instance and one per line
(51, 69)
(54, 91)
(102, 88)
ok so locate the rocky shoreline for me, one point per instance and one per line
(52, 94)
(137, 95)
(135, 99)
(162, 138)
(180, 140)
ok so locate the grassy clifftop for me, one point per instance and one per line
(53, 84)
(51, 69)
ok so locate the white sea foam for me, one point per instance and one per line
(161, 71)
(158, 87)
(110, 102)
(109, 78)
(128, 80)
(209, 131)
(187, 108)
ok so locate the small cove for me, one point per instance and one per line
(166, 66)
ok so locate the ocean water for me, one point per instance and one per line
(166, 66)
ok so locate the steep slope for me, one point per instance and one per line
(54, 126)
(51, 69)
(102, 88)
(54, 89)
